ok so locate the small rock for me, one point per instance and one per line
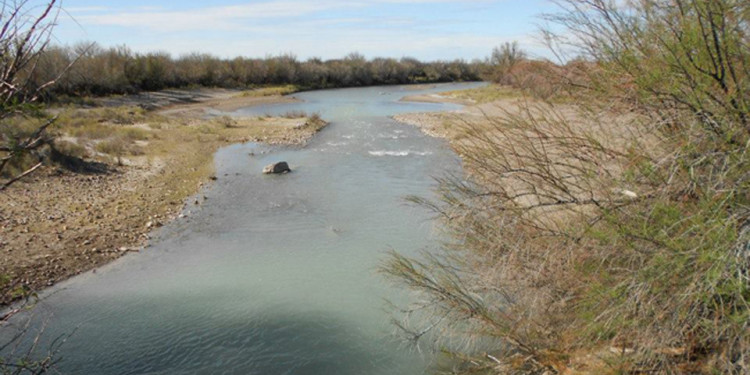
(629, 194)
(277, 168)
(622, 351)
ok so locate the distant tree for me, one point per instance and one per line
(503, 59)
(385, 70)
(411, 69)
(313, 73)
(282, 69)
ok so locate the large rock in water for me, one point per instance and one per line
(276, 168)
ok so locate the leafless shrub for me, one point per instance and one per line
(503, 59)
(21, 347)
(24, 34)
(294, 114)
(315, 118)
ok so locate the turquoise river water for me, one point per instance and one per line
(272, 274)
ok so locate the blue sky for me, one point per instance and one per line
(425, 29)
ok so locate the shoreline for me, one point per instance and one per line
(59, 223)
(431, 123)
(200, 97)
(226, 101)
(436, 98)
(479, 105)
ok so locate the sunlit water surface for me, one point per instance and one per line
(272, 274)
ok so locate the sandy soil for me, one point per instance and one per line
(418, 87)
(435, 98)
(186, 100)
(442, 124)
(225, 101)
(58, 223)
(612, 130)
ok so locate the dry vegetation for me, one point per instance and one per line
(483, 95)
(606, 226)
(271, 91)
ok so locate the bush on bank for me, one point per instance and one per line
(611, 233)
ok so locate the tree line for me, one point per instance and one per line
(95, 70)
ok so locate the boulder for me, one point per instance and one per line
(276, 168)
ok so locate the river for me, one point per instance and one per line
(272, 274)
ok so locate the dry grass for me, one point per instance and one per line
(485, 94)
(271, 91)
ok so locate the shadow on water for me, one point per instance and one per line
(283, 345)
(265, 345)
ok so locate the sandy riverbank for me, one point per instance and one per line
(480, 105)
(225, 101)
(190, 99)
(61, 222)
(436, 98)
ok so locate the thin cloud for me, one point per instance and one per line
(227, 17)
(223, 17)
(329, 44)
(326, 28)
(86, 9)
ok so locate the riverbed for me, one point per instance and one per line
(272, 274)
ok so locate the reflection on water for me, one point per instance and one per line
(273, 274)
